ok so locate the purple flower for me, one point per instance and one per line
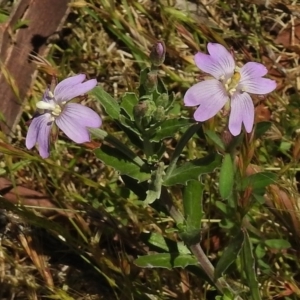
(229, 83)
(72, 118)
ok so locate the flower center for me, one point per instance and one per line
(51, 107)
(232, 83)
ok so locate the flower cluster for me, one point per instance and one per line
(229, 82)
(72, 118)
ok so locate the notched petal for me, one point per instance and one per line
(210, 95)
(253, 70)
(242, 112)
(75, 120)
(223, 57)
(38, 132)
(259, 86)
(73, 87)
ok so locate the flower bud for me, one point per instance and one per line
(158, 53)
(151, 81)
(162, 100)
(159, 114)
(143, 112)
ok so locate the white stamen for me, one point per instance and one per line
(45, 105)
(50, 94)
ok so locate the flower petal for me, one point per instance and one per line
(219, 63)
(74, 121)
(38, 132)
(252, 70)
(210, 95)
(223, 57)
(73, 87)
(206, 64)
(259, 86)
(242, 111)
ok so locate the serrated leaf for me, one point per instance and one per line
(129, 100)
(226, 179)
(193, 169)
(230, 254)
(109, 104)
(168, 128)
(116, 159)
(192, 203)
(249, 267)
(166, 261)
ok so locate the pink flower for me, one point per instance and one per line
(229, 83)
(72, 118)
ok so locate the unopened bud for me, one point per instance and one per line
(151, 81)
(162, 100)
(140, 109)
(158, 53)
(160, 114)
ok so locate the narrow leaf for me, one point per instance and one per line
(116, 159)
(258, 182)
(230, 254)
(261, 128)
(249, 264)
(110, 105)
(278, 244)
(192, 203)
(159, 241)
(215, 139)
(226, 179)
(166, 261)
(168, 128)
(129, 100)
(193, 169)
(155, 183)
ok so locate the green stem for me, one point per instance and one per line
(104, 136)
(181, 144)
(171, 208)
(148, 147)
(209, 270)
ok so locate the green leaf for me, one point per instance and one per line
(21, 24)
(166, 261)
(261, 128)
(278, 244)
(157, 240)
(215, 139)
(193, 169)
(116, 159)
(168, 128)
(226, 179)
(192, 203)
(249, 267)
(109, 104)
(230, 254)
(130, 125)
(129, 100)
(155, 183)
(258, 182)
(3, 17)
